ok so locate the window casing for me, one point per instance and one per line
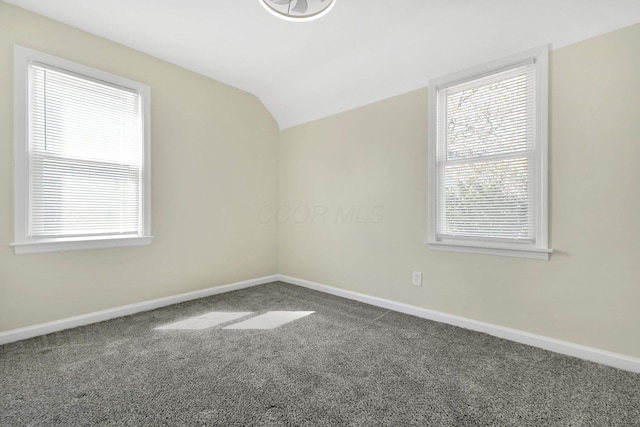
(488, 158)
(82, 169)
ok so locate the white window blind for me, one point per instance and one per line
(86, 154)
(82, 159)
(486, 184)
(488, 160)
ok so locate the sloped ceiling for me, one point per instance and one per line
(361, 52)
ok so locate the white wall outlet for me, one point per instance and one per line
(417, 278)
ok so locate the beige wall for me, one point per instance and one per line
(214, 163)
(364, 174)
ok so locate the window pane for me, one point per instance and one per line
(79, 198)
(487, 199)
(490, 118)
(85, 119)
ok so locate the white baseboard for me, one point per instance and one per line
(615, 360)
(125, 310)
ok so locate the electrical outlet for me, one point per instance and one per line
(417, 278)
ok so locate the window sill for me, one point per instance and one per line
(75, 244)
(499, 250)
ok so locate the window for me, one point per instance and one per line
(81, 156)
(488, 158)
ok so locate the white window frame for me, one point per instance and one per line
(24, 243)
(539, 248)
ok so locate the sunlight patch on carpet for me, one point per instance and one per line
(206, 320)
(270, 320)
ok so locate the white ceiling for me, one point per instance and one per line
(361, 52)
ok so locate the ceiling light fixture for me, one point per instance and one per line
(298, 10)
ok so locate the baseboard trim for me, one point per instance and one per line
(125, 310)
(615, 360)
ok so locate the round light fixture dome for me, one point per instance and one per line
(298, 10)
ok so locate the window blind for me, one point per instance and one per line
(85, 142)
(486, 183)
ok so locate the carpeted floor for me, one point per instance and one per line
(347, 364)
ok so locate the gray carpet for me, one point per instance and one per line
(348, 364)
